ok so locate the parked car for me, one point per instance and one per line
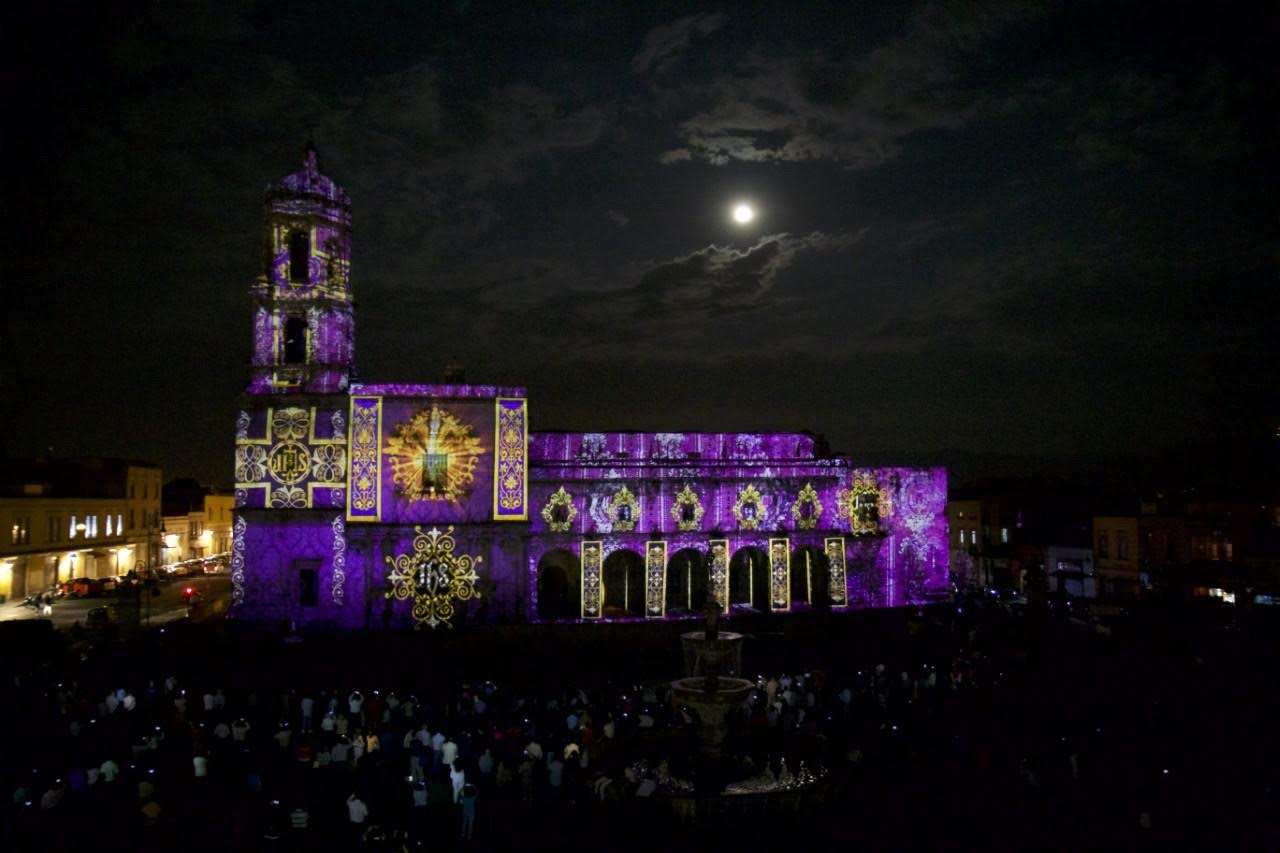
(83, 588)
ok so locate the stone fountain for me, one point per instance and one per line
(708, 654)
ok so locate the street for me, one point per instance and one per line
(169, 606)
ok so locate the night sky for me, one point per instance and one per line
(1021, 228)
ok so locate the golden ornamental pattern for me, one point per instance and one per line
(748, 508)
(807, 508)
(511, 459)
(687, 510)
(559, 512)
(624, 511)
(364, 458)
(433, 456)
(433, 576)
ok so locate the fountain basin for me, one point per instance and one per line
(712, 707)
(722, 654)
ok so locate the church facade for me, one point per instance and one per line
(393, 505)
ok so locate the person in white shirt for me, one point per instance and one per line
(437, 744)
(222, 731)
(208, 701)
(328, 724)
(449, 752)
(112, 703)
(130, 702)
(486, 762)
(201, 766)
(357, 811)
(458, 778)
(109, 769)
(355, 702)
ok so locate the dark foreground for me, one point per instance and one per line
(1004, 733)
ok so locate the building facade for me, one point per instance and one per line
(197, 522)
(387, 505)
(1115, 555)
(68, 518)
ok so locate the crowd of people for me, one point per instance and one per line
(175, 761)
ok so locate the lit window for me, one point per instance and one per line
(110, 529)
(973, 536)
(91, 526)
(1004, 535)
(119, 524)
(71, 530)
(20, 534)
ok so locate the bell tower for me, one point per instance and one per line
(303, 321)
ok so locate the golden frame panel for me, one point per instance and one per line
(591, 557)
(779, 575)
(365, 454)
(839, 588)
(655, 579)
(718, 571)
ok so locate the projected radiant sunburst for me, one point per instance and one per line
(433, 576)
(433, 456)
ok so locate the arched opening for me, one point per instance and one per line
(624, 584)
(749, 578)
(686, 582)
(810, 576)
(295, 340)
(559, 585)
(299, 256)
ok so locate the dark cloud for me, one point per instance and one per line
(663, 41)
(721, 279)
(850, 110)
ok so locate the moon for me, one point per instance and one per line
(743, 213)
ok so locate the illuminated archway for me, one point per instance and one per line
(810, 576)
(686, 580)
(559, 585)
(624, 576)
(749, 578)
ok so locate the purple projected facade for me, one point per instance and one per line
(397, 505)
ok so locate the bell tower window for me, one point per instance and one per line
(295, 340)
(299, 256)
